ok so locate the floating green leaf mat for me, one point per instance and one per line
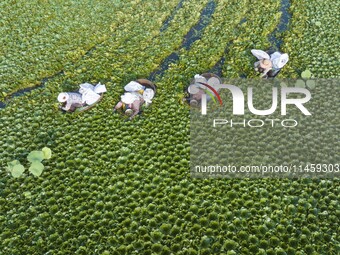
(115, 187)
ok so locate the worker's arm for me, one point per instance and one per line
(265, 72)
(67, 106)
(136, 107)
(119, 105)
(135, 110)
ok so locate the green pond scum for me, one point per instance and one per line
(110, 186)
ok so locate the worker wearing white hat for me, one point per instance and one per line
(269, 66)
(197, 89)
(87, 95)
(130, 102)
(136, 94)
(70, 100)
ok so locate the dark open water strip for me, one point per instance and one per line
(166, 23)
(195, 32)
(23, 91)
(273, 38)
(193, 35)
(217, 68)
(27, 90)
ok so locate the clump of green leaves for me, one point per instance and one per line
(35, 158)
(300, 83)
(306, 74)
(15, 168)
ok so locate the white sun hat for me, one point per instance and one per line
(193, 89)
(213, 81)
(63, 97)
(128, 112)
(200, 78)
(260, 54)
(279, 60)
(148, 94)
(128, 98)
(133, 86)
(99, 88)
(90, 97)
(84, 87)
(193, 103)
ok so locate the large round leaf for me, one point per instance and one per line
(311, 84)
(306, 74)
(36, 168)
(47, 153)
(35, 156)
(13, 163)
(17, 170)
(27, 194)
(300, 83)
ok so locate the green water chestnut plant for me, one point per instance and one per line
(127, 189)
(15, 168)
(306, 74)
(306, 80)
(34, 157)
